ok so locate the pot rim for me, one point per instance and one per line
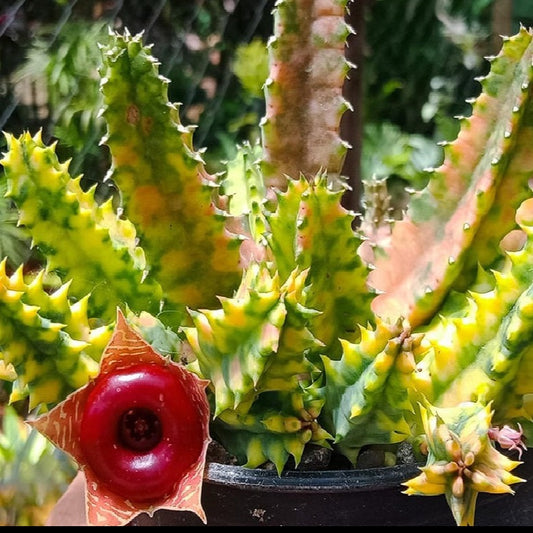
(309, 480)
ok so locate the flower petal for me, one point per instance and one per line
(63, 423)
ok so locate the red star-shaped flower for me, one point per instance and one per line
(139, 431)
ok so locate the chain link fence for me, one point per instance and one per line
(417, 61)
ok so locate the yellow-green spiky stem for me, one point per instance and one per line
(459, 361)
(278, 425)
(257, 352)
(48, 343)
(244, 186)
(85, 243)
(367, 390)
(311, 230)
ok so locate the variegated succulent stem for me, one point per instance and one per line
(311, 230)
(460, 361)
(304, 101)
(367, 390)
(468, 206)
(257, 352)
(166, 191)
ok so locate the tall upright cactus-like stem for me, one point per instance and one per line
(304, 99)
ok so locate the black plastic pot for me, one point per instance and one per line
(237, 496)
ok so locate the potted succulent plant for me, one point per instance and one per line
(243, 312)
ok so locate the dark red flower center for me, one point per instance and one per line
(139, 429)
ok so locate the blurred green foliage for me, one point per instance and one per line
(388, 151)
(57, 53)
(251, 66)
(33, 473)
(422, 58)
(421, 52)
(66, 69)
